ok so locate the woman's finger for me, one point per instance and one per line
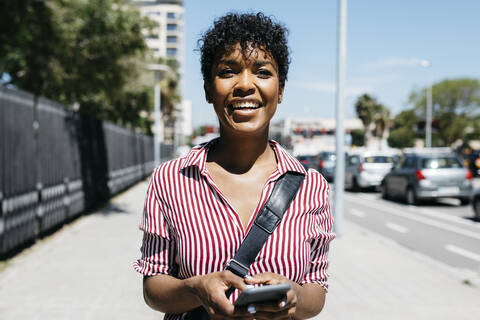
(265, 278)
(232, 280)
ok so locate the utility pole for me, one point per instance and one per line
(428, 112)
(339, 113)
(159, 69)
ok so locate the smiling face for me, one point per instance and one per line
(244, 90)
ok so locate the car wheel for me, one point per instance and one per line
(355, 187)
(385, 194)
(411, 197)
(464, 201)
(476, 208)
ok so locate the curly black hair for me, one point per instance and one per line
(250, 31)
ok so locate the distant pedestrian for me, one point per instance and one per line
(199, 208)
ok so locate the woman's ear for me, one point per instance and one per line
(208, 96)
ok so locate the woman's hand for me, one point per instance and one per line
(282, 309)
(210, 290)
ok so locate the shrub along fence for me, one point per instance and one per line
(56, 164)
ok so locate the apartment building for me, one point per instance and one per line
(167, 41)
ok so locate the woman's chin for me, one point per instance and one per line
(247, 128)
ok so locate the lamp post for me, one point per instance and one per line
(428, 113)
(159, 70)
(339, 130)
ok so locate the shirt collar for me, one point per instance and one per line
(286, 162)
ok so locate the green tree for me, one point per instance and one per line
(369, 111)
(456, 104)
(80, 53)
(403, 132)
(381, 119)
(358, 137)
(30, 43)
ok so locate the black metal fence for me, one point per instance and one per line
(55, 164)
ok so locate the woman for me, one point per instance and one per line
(199, 208)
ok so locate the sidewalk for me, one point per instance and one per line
(84, 271)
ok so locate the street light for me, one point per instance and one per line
(339, 116)
(428, 119)
(159, 70)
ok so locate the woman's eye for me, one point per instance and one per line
(264, 73)
(225, 72)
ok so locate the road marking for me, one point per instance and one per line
(396, 227)
(357, 213)
(463, 252)
(431, 213)
(415, 217)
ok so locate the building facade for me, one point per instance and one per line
(167, 40)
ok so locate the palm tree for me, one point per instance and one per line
(365, 108)
(370, 111)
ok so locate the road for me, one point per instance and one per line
(441, 230)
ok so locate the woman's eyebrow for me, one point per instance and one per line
(262, 63)
(228, 62)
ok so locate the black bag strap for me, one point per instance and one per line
(267, 220)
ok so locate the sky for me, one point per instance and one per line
(386, 40)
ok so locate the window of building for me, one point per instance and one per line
(171, 52)
(171, 15)
(171, 39)
(172, 27)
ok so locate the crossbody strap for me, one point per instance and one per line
(267, 220)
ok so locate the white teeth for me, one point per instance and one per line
(245, 105)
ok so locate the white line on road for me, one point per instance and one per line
(357, 213)
(430, 213)
(415, 217)
(463, 252)
(396, 227)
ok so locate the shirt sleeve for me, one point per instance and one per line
(158, 247)
(319, 245)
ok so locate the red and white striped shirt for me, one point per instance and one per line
(191, 229)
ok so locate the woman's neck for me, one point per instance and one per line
(239, 154)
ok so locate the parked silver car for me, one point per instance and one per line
(430, 174)
(366, 170)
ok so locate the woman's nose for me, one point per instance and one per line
(245, 85)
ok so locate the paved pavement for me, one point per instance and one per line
(84, 271)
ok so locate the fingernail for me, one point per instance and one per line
(248, 276)
(251, 309)
(282, 304)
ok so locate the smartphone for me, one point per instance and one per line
(262, 294)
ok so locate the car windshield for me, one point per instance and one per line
(441, 163)
(378, 159)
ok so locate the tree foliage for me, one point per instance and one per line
(358, 137)
(455, 106)
(370, 111)
(87, 54)
(403, 131)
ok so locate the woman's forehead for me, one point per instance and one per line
(250, 53)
